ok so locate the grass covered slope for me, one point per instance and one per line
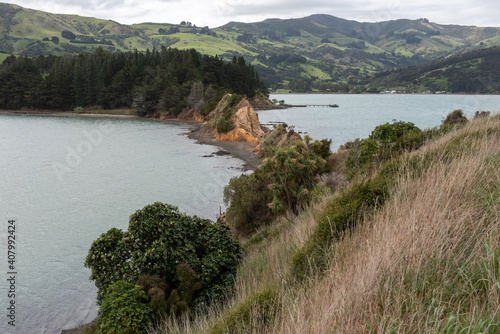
(425, 259)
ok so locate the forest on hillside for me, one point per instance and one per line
(166, 80)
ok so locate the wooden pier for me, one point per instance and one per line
(312, 105)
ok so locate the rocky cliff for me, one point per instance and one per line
(243, 120)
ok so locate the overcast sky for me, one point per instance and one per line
(214, 13)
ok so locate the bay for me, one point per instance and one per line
(65, 181)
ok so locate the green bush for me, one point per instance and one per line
(107, 259)
(159, 238)
(224, 125)
(390, 133)
(157, 291)
(247, 197)
(385, 142)
(189, 283)
(125, 309)
(293, 173)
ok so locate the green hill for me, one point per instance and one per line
(476, 71)
(314, 52)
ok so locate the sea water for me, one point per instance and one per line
(357, 115)
(65, 181)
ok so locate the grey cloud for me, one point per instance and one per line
(218, 12)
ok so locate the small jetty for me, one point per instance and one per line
(312, 105)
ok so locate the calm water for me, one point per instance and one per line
(67, 180)
(357, 115)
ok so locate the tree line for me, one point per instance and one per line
(157, 80)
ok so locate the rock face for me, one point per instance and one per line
(246, 126)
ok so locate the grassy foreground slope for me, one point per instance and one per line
(426, 260)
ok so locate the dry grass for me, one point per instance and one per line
(428, 261)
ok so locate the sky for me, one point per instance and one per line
(215, 13)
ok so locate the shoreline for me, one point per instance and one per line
(240, 150)
(237, 149)
(65, 114)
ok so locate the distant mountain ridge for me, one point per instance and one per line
(300, 53)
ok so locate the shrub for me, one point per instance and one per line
(125, 309)
(107, 259)
(189, 283)
(389, 133)
(247, 197)
(385, 141)
(293, 173)
(157, 291)
(159, 238)
(456, 117)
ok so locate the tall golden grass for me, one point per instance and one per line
(427, 261)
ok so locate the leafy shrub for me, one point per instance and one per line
(159, 238)
(389, 133)
(385, 141)
(224, 125)
(189, 283)
(125, 309)
(456, 117)
(107, 259)
(247, 197)
(157, 291)
(292, 171)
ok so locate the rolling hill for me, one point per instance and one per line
(312, 52)
(474, 71)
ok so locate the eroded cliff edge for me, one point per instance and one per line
(233, 127)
